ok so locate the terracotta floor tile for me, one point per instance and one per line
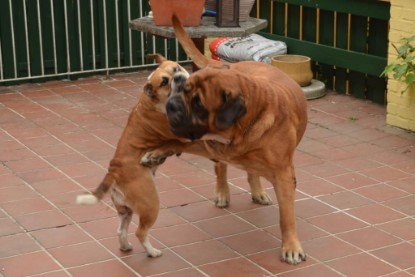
(385, 173)
(236, 267)
(337, 222)
(400, 255)
(380, 192)
(318, 187)
(311, 207)
(179, 235)
(314, 270)
(205, 252)
(375, 214)
(361, 265)
(224, 226)
(147, 266)
(8, 227)
(179, 197)
(167, 218)
(15, 193)
(251, 242)
(53, 187)
(404, 205)
(328, 248)
(306, 231)
(325, 170)
(82, 213)
(57, 237)
(369, 238)
(27, 206)
(345, 200)
(42, 220)
(199, 211)
(107, 268)
(104, 228)
(17, 244)
(188, 272)
(9, 179)
(261, 217)
(403, 228)
(406, 184)
(80, 254)
(34, 263)
(40, 175)
(352, 180)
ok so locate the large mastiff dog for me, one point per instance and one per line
(132, 185)
(257, 110)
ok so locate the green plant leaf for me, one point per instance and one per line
(410, 78)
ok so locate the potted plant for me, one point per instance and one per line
(188, 11)
(403, 69)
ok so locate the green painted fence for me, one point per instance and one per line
(346, 39)
(44, 39)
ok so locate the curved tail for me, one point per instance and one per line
(99, 192)
(188, 45)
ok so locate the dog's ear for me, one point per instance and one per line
(148, 90)
(230, 111)
(158, 57)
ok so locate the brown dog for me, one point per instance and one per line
(258, 110)
(133, 188)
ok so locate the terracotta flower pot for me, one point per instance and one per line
(188, 11)
(296, 66)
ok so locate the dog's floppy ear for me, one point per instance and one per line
(230, 111)
(148, 90)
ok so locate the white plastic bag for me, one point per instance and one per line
(251, 48)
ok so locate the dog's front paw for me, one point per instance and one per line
(262, 198)
(292, 254)
(154, 253)
(155, 158)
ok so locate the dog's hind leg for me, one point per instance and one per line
(146, 221)
(222, 188)
(125, 214)
(258, 194)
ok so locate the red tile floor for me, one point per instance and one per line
(355, 202)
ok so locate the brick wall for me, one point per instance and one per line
(401, 107)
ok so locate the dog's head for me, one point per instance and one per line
(209, 101)
(157, 86)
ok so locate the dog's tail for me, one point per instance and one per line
(98, 193)
(188, 45)
(157, 57)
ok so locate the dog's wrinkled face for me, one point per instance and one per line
(207, 102)
(158, 83)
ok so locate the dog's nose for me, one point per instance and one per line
(179, 79)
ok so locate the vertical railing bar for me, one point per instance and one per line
(1, 63)
(130, 48)
(81, 53)
(165, 48)
(68, 60)
(13, 42)
(154, 43)
(177, 49)
(142, 34)
(105, 37)
(117, 32)
(93, 35)
(271, 18)
(29, 72)
(42, 67)
(55, 59)
(300, 37)
(318, 25)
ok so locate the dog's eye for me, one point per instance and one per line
(164, 82)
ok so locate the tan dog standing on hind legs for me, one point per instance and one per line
(132, 185)
(257, 109)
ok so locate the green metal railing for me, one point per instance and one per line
(43, 39)
(346, 39)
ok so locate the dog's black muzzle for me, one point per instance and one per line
(180, 120)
